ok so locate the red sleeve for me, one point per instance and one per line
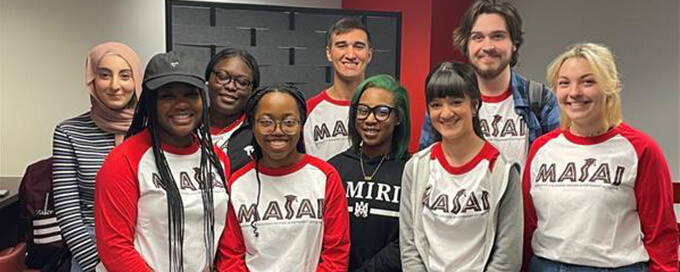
(530, 218)
(231, 252)
(335, 248)
(529, 215)
(654, 195)
(116, 196)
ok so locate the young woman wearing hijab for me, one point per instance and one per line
(371, 169)
(289, 211)
(161, 199)
(461, 205)
(113, 74)
(597, 192)
(232, 76)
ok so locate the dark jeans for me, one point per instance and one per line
(539, 264)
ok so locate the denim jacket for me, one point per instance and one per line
(538, 125)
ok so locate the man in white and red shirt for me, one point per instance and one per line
(502, 126)
(349, 50)
(602, 201)
(295, 220)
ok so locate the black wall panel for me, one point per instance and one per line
(288, 42)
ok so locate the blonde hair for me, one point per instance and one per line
(602, 63)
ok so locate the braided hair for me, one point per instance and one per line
(146, 118)
(251, 106)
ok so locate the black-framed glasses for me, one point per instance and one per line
(380, 112)
(289, 125)
(240, 82)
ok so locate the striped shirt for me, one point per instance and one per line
(79, 149)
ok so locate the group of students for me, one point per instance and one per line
(195, 168)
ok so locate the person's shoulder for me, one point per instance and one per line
(81, 121)
(639, 139)
(320, 164)
(548, 136)
(421, 155)
(132, 149)
(315, 100)
(242, 171)
(342, 158)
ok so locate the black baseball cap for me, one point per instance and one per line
(173, 67)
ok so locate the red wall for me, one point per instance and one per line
(425, 41)
(445, 17)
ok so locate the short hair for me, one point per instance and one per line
(345, 25)
(458, 80)
(254, 101)
(601, 61)
(246, 57)
(402, 132)
(513, 21)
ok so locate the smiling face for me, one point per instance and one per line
(376, 132)
(179, 109)
(579, 95)
(452, 117)
(230, 85)
(490, 47)
(113, 83)
(349, 53)
(277, 111)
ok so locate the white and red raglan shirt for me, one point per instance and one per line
(456, 207)
(603, 201)
(131, 214)
(504, 128)
(220, 136)
(300, 224)
(325, 132)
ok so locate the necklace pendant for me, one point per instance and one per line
(367, 178)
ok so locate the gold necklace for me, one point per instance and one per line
(361, 162)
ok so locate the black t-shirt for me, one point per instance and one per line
(373, 209)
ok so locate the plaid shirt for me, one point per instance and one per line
(537, 126)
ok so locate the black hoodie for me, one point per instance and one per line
(373, 210)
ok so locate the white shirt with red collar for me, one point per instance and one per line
(220, 136)
(504, 128)
(456, 211)
(603, 201)
(131, 214)
(326, 131)
(300, 224)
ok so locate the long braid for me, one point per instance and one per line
(208, 159)
(175, 206)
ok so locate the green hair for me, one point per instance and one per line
(402, 132)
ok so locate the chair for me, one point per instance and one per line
(12, 259)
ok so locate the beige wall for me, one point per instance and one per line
(644, 36)
(42, 54)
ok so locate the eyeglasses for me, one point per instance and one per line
(289, 126)
(240, 82)
(380, 112)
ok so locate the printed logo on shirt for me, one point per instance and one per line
(294, 209)
(501, 127)
(187, 183)
(463, 203)
(361, 209)
(587, 171)
(322, 131)
(373, 190)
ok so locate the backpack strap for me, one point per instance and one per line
(537, 96)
